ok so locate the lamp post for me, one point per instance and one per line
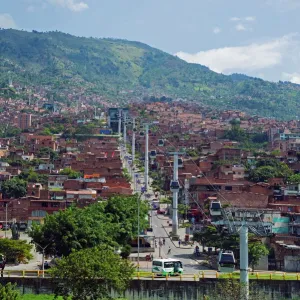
(138, 237)
(43, 256)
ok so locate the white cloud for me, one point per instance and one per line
(250, 19)
(7, 21)
(235, 19)
(73, 5)
(247, 19)
(292, 77)
(216, 30)
(240, 27)
(249, 58)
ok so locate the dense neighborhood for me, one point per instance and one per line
(231, 166)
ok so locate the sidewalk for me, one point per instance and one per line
(168, 228)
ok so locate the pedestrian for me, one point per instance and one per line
(179, 242)
(169, 250)
(155, 242)
(164, 241)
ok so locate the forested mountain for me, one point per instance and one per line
(111, 66)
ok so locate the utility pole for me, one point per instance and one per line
(124, 127)
(133, 141)
(146, 155)
(175, 196)
(119, 123)
(244, 264)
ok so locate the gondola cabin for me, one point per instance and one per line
(153, 154)
(215, 208)
(180, 163)
(226, 262)
(161, 143)
(174, 186)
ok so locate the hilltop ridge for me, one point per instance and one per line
(110, 66)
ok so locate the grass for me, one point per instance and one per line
(39, 297)
(45, 297)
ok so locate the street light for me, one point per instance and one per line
(138, 237)
(43, 256)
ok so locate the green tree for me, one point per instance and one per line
(269, 168)
(91, 274)
(70, 173)
(209, 236)
(16, 250)
(113, 222)
(9, 292)
(14, 188)
(294, 178)
(256, 250)
(46, 151)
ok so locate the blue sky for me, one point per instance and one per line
(258, 37)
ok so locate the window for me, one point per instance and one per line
(228, 188)
(38, 213)
(44, 204)
(157, 263)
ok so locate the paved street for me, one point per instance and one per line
(33, 263)
(161, 229)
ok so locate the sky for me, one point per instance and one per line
(260, 38)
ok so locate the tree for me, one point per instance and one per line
(70, 173)
(113, 222)
(15, 250)
(14, 188)
(294, 178)
(256, 251)
(269, 168)
(91, 274)
(209, 236)
(46, 151)
(9, 292)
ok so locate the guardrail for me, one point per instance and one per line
(144, 275)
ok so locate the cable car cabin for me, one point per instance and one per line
(153, 154)
(226, 262)
(174, 186)
(161, 143)
(142, 133)
(215, 208)
(180, 163)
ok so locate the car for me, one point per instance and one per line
(161, 211)
(5, 227)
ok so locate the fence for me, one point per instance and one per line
(207, 274)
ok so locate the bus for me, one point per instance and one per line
(167, 266)
(226, 263)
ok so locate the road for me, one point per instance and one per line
(161, 229)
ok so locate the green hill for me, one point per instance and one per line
(109, 66)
